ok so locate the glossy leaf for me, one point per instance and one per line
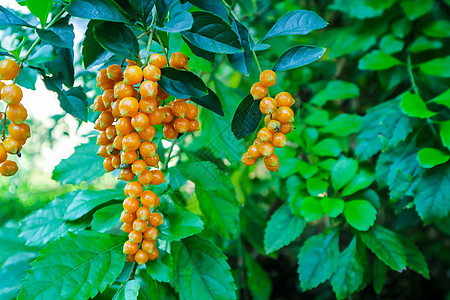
(214, 6)
(438, 28)
(40, 8)
(242, 61)
(59, 35)
(124, 43)
(107, 217)
(333, 207)
(180, 20)
(128, 291)
(362, 180)
(86, 200)
(423, 44)
(445, 133)
(316, 186)
(416, 8)
(210, 101)
(311, 209)
(298, 56)
(414, 258)
(343, 125)
(161, 269)
(143, 7)
(96, 10)
(92, 52)
(182, 84)
(246, 118)
(327, 147)
(179, 225)
(7, 18)
(43, 54)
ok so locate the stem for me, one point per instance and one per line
(133, 271)
(411, 74)
(230, 10)
(162, 46)
(257, 61)
(150, 39)
(166, 165)
(4, 125)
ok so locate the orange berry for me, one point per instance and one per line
(111, 150)
(11, 94)
(151, 234)
(169, 132)
(286, 127)
(115, 160)
(284, 114)
(147, 149)
(130, 248)
(179, 61)
(124, 126)
(152, 161)
(131, 142)
(128, 157)
(152, 72)
(162, 95)
(8, 168)
(130, 205)
(191, 112)
(108, 98)
(115, 109)
(143, 213)
(16, 113)
(117, 143)
(156, 117)
(168, 116)
(141, 257)
(135, 236)
(179, 108)
(126, 174)
(133, 62)
(133, 189)
(268, 78)
(126, 227)
(154, 255)
(267, 119)
(98, 104)
(145, 178)
(158, 60)
(257, 143)
(247, 161)
(268, 105)
(110, 132)
(274, 125)
(114, 72)
(130, 258)
(107, 164)
(102, 152)
(253, 152)
(265, 135)
(103, 81)
(155, 219)
(284, 99)
(271, 160)
(149, 199)
(138, 166)
(148, 133)
(194, 125)
(181, 125)
(258, 91)
(279, 140)
(148, 105)
(127, 217)
(140, 225)
(3, 153)
(19, 132)
(273, 169)
(9, 69)
(132, 75)
(128, 106)
(122, 90)
(158, 177)
(148, 88)
(266, 149)
(11, 145)
(105, 119)
(148, 246)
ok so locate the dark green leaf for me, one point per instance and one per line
(246, 118)
(214, 6)
(27, 78)
(417, 8)
(182, 84)
(445, 133)
(180, 20)
(143, 7)
(430, 157)
(92, 52)
(162, 8)
(311, 209)
(96, 10)
(423, 44)
(363, 179)
(12, 274)
(7, 18)
(43, 54)
(106, 218)
(390, 45)
(161, 269)
(298, 56)
(258, 280)
(62, 67)
(316, 186)
(210, 101)
(360, 214)
(438, 28)
(242, 61)
(98, 262)
(296, 22)
(380, 273)
(124, 43)
(40, 8)
(414, 258)
(86, 200)
(179, 225)
(59, 35)
(209, 56)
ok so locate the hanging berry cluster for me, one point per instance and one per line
(16, 114)
(278, 121)
(131, 105)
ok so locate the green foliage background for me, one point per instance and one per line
(359, 207)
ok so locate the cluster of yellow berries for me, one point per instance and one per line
(18, 130)
(278, 121)
(131, 105)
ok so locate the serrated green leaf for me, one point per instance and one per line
(343, 125)
(430, 157)
(11, 243)
(40, 8)
(343, 172)
(363, 179)
(282, 228)
(128, 291)
(179, 225)
(86, 200)
(414, 258)
(98, 262)
(298, 56)
(442, 99)
(124, 43)
(333, 207)
(13, 272)
(437, 67)
(386, 246)
(107, 217)
(318, 259)
(336, 89)
(316, 186)
(378, 60)
(246, 118)
(414, 106)
(350, 272)
(328, 147)
(182, 84)
(201, 270)
(161, 269)
(360, 214)
(96, 10)
(311, 209)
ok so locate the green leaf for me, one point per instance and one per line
(295, 165)
(43, 54)
(417, 8)
(161, 269)
(48, 223)
(318, 259)
(210, 101)
(246, 118)
(316, 186)
(258, 281)
(92, 52)
(390, 45)
(27, 78)
(414, 106)
(180, 20)
(360, 214)
(214, 6)
(423, 44)
(182, 84)
(298, 56)
(438, 28)
(179, 225)
(414, 258)
(445, 133)
(296, 22)
(242, 61)
(336, 89)
(437, 67)
(431, 194)
(106, 218)
(363, 179)
(379, 273)
(128, 291)
(311, 209)
(442, 99)
(97, 264)
(40, 8)
(343, 125)
(282, 228)
(96, 10)
(7, 18)
(12, 274)
(124, 43)
(59, 35)
(350, 272)
(328, 147)
(86, 200)
(70, 171)
(333, 207)
(317, 117)
(62, 67)
(11, 243)
(211, 33)
(361, 9)
(143, 7)
(430, 157)
(201, 270)
(343, 172)
(378, 60)
(386, 246)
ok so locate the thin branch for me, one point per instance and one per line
(411, 74)
(133, 271)
(162, 46)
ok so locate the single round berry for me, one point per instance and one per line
(126, 227)
(108, 98)
(169, 132)
(129, 106)
(98, 104)
(191, 112)
(194, 125)
(122, 90)
(168, 116)
(274, 125)
(266, 149)
(140, 121)
(141, 257)
(133, 75)
(128, 157)
(149, 199)
(127, 217)
(111, 132)
(179, 61)
(148, 246)
(131, 142)
(152, 72)
(148, 105)
(284, 114)
(258, 91)
(181, 125)
(158, 177)
(8, 168)
(253, 152)
(133, 189)
(158, 60)
(279, 140)
(102, 138)
(179, 108)
(126, 174)
(117, 143)
(102, 152)
(271, 160)
(114, 72)
(138, 166)
(268, 78)
(19, 132)
(145, 178)
(11, 145)
(156, 117)
(135, 236)
(130, 248)
(247, 161)
(265, 135)
(155, 219)
(115, 160)
(124, 126)
(147, 149)
(154, 255)
(148, 88)
(273, 169)
(147, 134)
(286, 127)
(107, 164)
(105, 119)
(130, 205)
(151, 234)
(9, 69)
(268, 105)
(152, 161)
(142, 213)
(284, 99)
(140, 225)
(16, 113)
(11, 94)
